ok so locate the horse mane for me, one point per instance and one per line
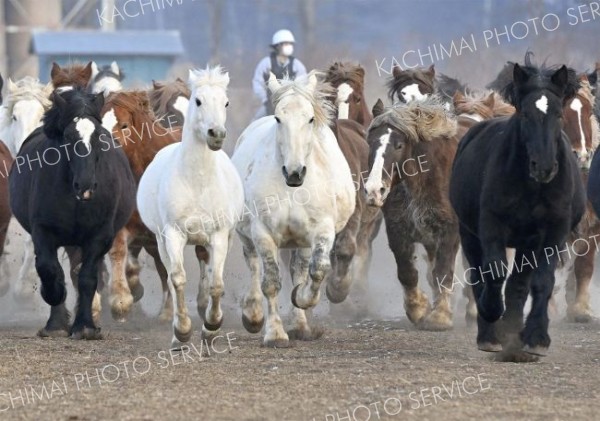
(402, 77)
(75, 74)
(135, 102)
(420, 120)
(214, 76)
(340, 72)
(163, 92)
(541, 75)
(448, 86)
(27, 88)
(475, 103)
(76, 103)
(323, 108)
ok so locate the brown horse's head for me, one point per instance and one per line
(580, 124)
(169, 101)
(412, 84)
(348, 80)
(74, 75)
(400, 139)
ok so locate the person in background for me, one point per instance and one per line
(281, 62)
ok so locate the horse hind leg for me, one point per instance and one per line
(299, 267)
(74, 256)
(27, 280)
(253, 317)
(580, 310)
(166, 311)
(132, 272)
(120, 299)
(202, 299)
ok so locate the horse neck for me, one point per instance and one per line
(198, 160)
(154, 137)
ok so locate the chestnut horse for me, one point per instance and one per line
(128, 117)
(412, 147)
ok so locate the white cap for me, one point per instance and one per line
(283, 35)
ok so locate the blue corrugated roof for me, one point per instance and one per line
(163, 43)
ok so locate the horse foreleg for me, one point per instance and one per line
(171, 245)
(203, 292)
(580, 311)
(213, 317)
(253, 317)
(339, 280)
(275, 335)
(306, 294)
(54, 291)
(120, 299)
(299, 266)
(26, 285)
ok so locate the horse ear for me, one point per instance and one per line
(360, 70)
(155, 84)
(396, 71)
(519, 75)
(95, 70)
(561, 77)
(431, 70)
(87, 71)
(273, 84)
(593, 77)
(55, 70)
(98, 101)
(191, 76)
(378, 108)
(583, 78)
(458, 97)
(312, 82)
(226, 76)
(114, 67)
(490, 101)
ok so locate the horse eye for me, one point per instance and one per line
(198, 102)
(358, 100)
(124, 126)
(399, 145)
(277, 120)
(227, 105)
(312, 120)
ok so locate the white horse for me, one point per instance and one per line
(299, 194)
(192, 194)
(107, 79)
(21, 114)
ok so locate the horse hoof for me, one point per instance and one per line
(213, 327)
(209, 334)
(182, 336)
(489, 347)
(120, 307)
(294, 302)
(53, 333)
(277, 343)
(335, 298)
(137, 292)
(540, 351)
(251, 325)
(87, 333)
(436, 322)
(582, 318)
(307, 334)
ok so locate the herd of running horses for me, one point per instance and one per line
(501, 182)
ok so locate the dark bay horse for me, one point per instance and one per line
(515, 183)
(412, 84)
(348, 80)
(81, 200)
(411, 151)
(131, 122)
(169, 101)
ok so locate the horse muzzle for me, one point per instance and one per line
(84, 194)
(540, 175)
(376, 197)
(216, 138)
(295, 178)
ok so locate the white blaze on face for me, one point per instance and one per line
(374, 182)
(85, 127)
(412, 93)
(542, 104)
(181, 104)
(343, 94)
(63, 89)
(106, 85)
(577, 106)
(109, 120)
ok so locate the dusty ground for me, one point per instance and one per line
(350, 372)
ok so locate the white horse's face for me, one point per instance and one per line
(25, 118)
(207, 114)
(295, 117)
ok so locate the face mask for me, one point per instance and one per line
(287, 50)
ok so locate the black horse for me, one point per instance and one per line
(515, 183)
(72, 188)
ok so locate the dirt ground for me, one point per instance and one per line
(383, 368)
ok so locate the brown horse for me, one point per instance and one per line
(353, 247)
(169, 101)
(409, 85)
(412, 148)
(127, 115)
(71, 76)
(6, 161)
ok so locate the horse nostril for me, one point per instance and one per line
(211, 132)
(534, 165)
(382, 190)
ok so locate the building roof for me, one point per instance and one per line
(113, 43)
